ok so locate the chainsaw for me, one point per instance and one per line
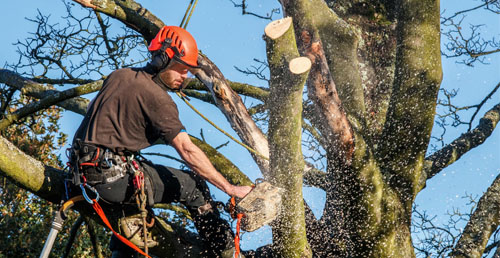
(259, 207)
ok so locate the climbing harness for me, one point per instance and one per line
(103, 166)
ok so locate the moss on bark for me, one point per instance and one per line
(285, 129)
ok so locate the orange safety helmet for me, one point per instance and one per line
(177, 43)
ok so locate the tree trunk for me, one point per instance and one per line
(288, 75)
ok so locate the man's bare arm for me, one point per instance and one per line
(199, 163)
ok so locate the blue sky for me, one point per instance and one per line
(230, 39)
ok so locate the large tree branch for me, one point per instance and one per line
(231, 105)
(467, 141)
(256, 92)
(321, 87)
(29, 173)
(483, 222)
(340, 44)
(130, 13)
(410, 116)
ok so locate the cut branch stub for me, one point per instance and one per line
(277, 28)
(300, 65)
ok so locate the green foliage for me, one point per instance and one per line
(25, 218)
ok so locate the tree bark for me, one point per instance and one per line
(231, 105)
(340, 40)
(412, 106)
(288, 75)
(483, 222)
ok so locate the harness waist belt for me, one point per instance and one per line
(98, 165)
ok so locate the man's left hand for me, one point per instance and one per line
(240, 191)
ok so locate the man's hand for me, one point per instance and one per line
(240, 191)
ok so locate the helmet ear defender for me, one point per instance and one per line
(174, 43)
(160, 59)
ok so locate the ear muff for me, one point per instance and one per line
(159, 60)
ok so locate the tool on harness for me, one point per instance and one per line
(105, 220)
(141, 199)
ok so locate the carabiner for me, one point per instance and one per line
(84, 193)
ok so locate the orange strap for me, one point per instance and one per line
(101, 214)
(237, 236)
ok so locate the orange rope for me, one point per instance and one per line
(101, 214)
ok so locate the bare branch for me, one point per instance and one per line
(255, 92)
(257, 71)
(76, 50)
(130, 13)
(30, 88)
(489, 4)
(49, 101)
(480, 105)
(467, 141)
(165, 156)
(72, 235)
(244, 6)
(473, 47)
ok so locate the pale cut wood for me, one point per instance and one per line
(276, 29)
(300, 65)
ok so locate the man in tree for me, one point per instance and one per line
(131, 112)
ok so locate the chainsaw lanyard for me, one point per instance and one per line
(238, 217)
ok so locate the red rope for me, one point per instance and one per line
(101, 214)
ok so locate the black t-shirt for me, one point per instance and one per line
(130, 113)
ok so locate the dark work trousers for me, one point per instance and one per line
(173, 185)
